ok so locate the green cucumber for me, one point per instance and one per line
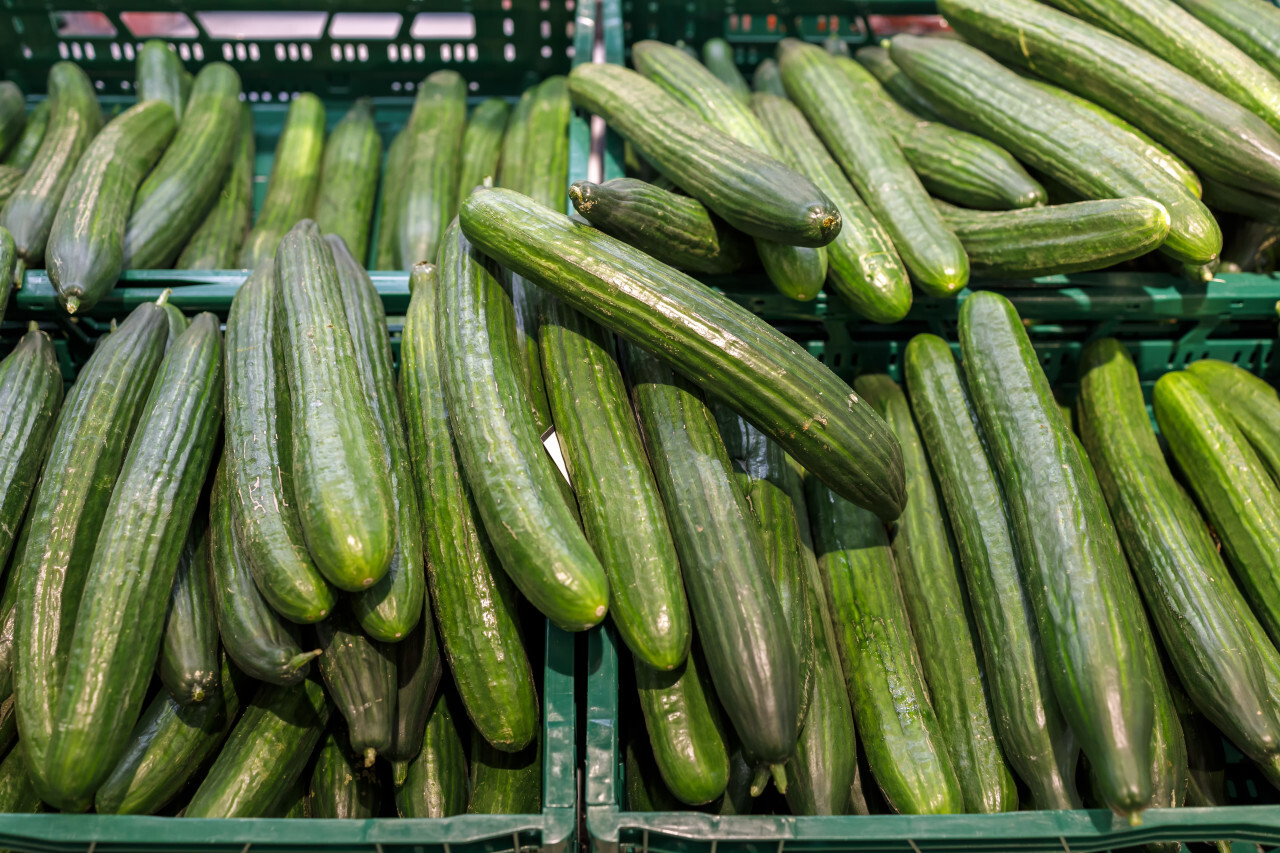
(13, 116)
(74, 119)
(85, 251)
(294, 182)
(385, 255)
(8, 726)
(468, 585)
(763, 375)
(349, 179)
(8, 625)
(178, 323)
(8, 268)
(24, 152)
(505, 782)
(1091, 624)
(513, 166)
(717, 55)
(482, 145)
(419, 669)
(10, 180)
(119, 625)
(1250, 205)
(899, 86)
(293, 804)
(189, 651)
(1252, 402)
(429, 199)
(18, 794)
(768, 79)
(435, 782)
(184, 186)
(341, 482)
(158, 76)
(360, 677)
(1250, 25)
(645, 791)
(1251, 248)
(340, 787)
(266, 753)
(216, 243)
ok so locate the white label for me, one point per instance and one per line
(552, 443)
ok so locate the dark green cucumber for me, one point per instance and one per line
(266, 753)
(17, 792)
(752, 191)
(1056, 136)
(85, 251)
(864, 268)
(360, 677)
(216, 243)
(293, 804)
(167, 748)
(1251, 26)
(768, 79)
(505, 782)
(762, 375)
(1035, 739)
(349, 179)
(74, 119)
(189, 652)
(468, 585)
(10, 180)
(120, 621)
(529, 522)
(158, 76)
(294, 182)
(24, 151)
(183, 187)
(742, 630)
(1058, 239)
(845, 120)
(1072, 564)
(482, 145)
(877, 60)
(8, 268)
(13, 116)
(645, 791)
(8, 726)
(340, 786)
(435, 782)
(1251, 248)
(902, 736)
(341, 481)
(385, 254)
(1242, 202)
(1252, 401)
(30, 397)
(178, 323)
(675, 229)
(8, 625)
(259, 476)
(419, 668)
(717, 55)
(90, 438)
(429, 198)
(513, 167)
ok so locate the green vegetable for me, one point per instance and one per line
(349, 179)
(1252, 402)
(340, 787)
(24, 152)
(159, 76)
(435, 782)
(419, 669)
(717, 55)
(17, 793)
(899, 86)
(189, 650)
(482, 145)
(393, 181)
(216, 243)
(505, 782)
(768, 79)
(1251, 25)
(1241, 202)
(13, 116)
(429, 198)
(360, 677)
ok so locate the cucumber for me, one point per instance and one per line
(266, 753)
(341, 483)
(419, 669)
(899, 86)
(8, 726)
(675, 229)
(86, 244)
(468, 585)
(429, 198)
(360, 677)
(1034, 737)
(482, 145)
(13, 116)
(340, 787)
(293, 804)
(1072, 564)
(845, 121)
(513, 166)
(902, 736)
(8, 270)
(768, 79)
(385, 255)
(120, 623)
(1057, 136)
(742, 630)
(189, 651)
(752, 191)
(1252, 402)
(645, 791)
(24, 151)
(294, 182)
(435, 782)
(259, 476)
(183, 188)
(717, 55)
(770, 380)
(1250, 25)
(864, 268)
(1227, 199)
(66, 513)
(74, 119)
(530, 525)
(505, 782)
(178, 323)
(10, 180)
(349, 179)
(159, 76)
(216, 243)
(18, 794)
(8, 623)
(1058, 239)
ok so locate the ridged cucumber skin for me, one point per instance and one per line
(24, 152)
(435, 782)
(8, 726)
(846, 122)
(13, 116)
(158, 76)
(675, 229)
(8, 262)
(1035, 738)
(18, 793)
(876, 59)
(294, 181)
(8, 624)
(1216, 136)
(1072, 563)
(341, 483)
(385, 254)
(513, 167)
(74, 119)
(742, 629)
(215, 245)
(348, 183)
(901, 735)
(360, 678)
(529, 523)
(682, 719)
(90, 439)
(717, 55)
(266, 753)
(1231, 486)
(189, 651)
(259, 640)
(259, 473)
(30, 398)
(1252, 26)
(1251, 400)
(10, 180)
(340, 786)
(178, 323)
(390, 608)
(1058, 239)
(468, 586)
(864, 268)
(505, 782)
(752, 191)
(1056, 136)
(85, 251)
(482, 145)
(429, 199)
(1250, 205)
(168, 746)
(119, 623)
(419, 668)
(767, 79)
(770, 381)
(176, 197)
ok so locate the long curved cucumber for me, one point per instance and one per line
(768, 79)
(513, 166)
(189, 651)
(216, 243)
(876, 59)
(24, 152)
(419, 668)
(1250, 25)
(13, 116)
(8, 268)
(18, 794)
(8, 629)
(360, 677)
(482, 145)
(340, 788)
(435, 782)
(1252, 401)
(717, 55)
(349, 179)
(505, 782)
(385, 253)
(158, 76)
(429, 199)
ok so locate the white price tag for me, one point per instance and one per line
(552, 443)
